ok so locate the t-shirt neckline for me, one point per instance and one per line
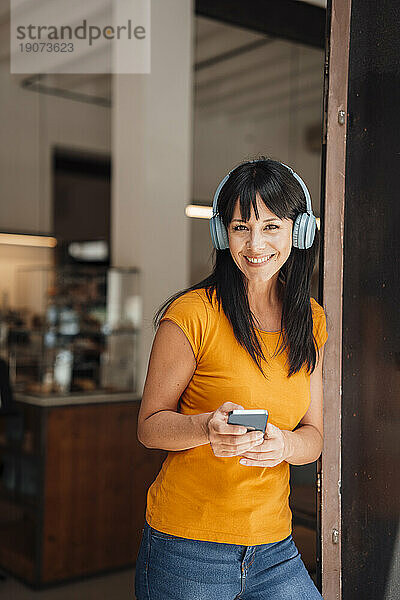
(257, 329)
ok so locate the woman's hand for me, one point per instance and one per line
(271, 452)
(230, 440)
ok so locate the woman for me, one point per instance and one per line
(218, 522)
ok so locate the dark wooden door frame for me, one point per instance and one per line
(333, 171)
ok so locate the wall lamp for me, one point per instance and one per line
(39, 241)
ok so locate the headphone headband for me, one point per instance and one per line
(295, 175)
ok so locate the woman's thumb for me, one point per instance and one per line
(228, 406)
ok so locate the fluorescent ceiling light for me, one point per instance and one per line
(200, 212)
(40, 241)
(93, 250)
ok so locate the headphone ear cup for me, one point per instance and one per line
(304, 231)
(310, 230)
(222, 234)
(213, 233)
(295, 233)
(219, 234)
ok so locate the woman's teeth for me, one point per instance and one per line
(259, 260)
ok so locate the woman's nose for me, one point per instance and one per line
(255, 240)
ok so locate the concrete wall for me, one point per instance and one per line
(152, 147)
(31, 124)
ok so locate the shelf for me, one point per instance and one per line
(78, 398)
(82, 331)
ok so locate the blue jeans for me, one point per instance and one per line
(176, 568)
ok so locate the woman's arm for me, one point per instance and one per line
(171, 367)
(303, 445)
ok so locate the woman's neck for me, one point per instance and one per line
(265, 297)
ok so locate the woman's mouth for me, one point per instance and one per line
(256, 261)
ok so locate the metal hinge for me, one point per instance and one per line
(318, 483)
(341, 117)
(335, 536)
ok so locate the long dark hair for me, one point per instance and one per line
(283, 195)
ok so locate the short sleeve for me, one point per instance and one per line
(319, 323)
(190, 314)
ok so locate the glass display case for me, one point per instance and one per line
(76, 331)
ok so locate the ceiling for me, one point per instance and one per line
(235, 70)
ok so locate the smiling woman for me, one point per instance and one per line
(222, 489)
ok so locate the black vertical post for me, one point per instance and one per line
(371, 307)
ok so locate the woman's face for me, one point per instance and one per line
(268, 239)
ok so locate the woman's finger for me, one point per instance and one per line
(247, 462)
(259, 454)
(220, 426)
(234, 440)
(237, 448)
(226, 407)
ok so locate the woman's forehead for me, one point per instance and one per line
(263, 211)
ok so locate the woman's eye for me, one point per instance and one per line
(241, 227)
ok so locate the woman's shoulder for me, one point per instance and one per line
(191, 298)
(197, 298)
(190, 304)
(190, 313)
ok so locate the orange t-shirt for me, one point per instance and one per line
(200, 496)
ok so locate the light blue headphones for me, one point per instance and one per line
(303, 227)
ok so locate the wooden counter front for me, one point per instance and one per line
(83, 510)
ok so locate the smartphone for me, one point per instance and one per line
(254, 420)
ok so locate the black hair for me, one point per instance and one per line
(283, 195)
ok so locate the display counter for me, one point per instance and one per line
(73, 486)
(73, 399)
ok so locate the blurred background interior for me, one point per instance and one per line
(103, 182)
